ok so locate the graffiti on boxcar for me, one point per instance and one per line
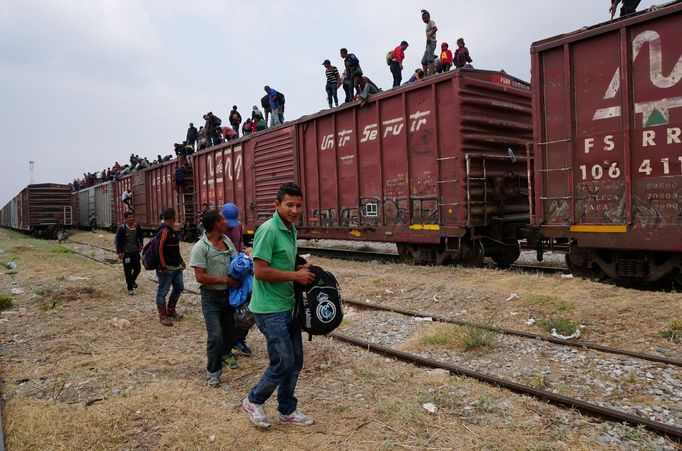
(395, 210)
(423, 184)
(395, 186)
(349, 217)
(424, 210)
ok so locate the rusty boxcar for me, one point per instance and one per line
(40, 209)
(98, 199)
(437, 167)
(154, 189)
(607, 104)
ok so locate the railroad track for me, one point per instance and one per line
(587, 408)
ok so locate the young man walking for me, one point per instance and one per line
(170, 269)
(210, 259)
(129, 237)
(274, 255)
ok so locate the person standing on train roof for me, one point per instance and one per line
(351, 65)
(275, 271)
(397, 63)
(235, 119)
(629, 7)
(430, 51)
(192, 136)
(129, 241)
(275, 105)
(235, 233)
(333, 81)
(170, 269)
(210, 258)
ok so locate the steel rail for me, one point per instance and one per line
(517, 333)
(587, 408)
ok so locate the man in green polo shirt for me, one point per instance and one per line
(272, 302)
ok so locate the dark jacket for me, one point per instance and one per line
(169, 247)
(121, 237)
(192, 134)
(237, 119)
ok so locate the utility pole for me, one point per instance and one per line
(31, 166)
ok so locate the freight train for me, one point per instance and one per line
(471, 163)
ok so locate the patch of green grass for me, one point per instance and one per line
(61, 250)
(377, 281)
(473, 337)
(674, 331)
(5, 301)
(484, 403)
(562, 325)
(637, 434)
(540, 446)
(556, 303)
(341, 409)
(467, 337)
(440, 287)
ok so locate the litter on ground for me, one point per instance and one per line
(513, 297)
(17, 291)
(530, 321)
(75, 278)
(575, 334)
(430, 407)
(11, 265)
(423, 319)
(567, 276)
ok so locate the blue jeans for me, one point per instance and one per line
(331, 89)
(275, 116)
(369, 90)
(220, 329)
(285, 350)
(397, 73)
(173, 277)
(429, 53)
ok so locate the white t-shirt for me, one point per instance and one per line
(430, 26)
(125, 196)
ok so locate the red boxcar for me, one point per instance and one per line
(607, 104)
(39, 208)
(155, 189)
(437, 167)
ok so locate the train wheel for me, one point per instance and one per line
(405, 253)
(577, 263)
(508, 256)
(474, 254)
(676, 276)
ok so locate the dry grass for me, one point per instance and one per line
(72, 380)
(674, 331)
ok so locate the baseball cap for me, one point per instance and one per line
(231, 213)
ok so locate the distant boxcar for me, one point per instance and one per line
(607, 105)
(39, 209)
(98, 199)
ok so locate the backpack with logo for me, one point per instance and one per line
(389, 57)
(150, 253)
(318, 306)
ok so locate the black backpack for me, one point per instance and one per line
(280, 98)
(318, 306)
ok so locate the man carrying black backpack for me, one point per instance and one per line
(235, 119)
(272, 302)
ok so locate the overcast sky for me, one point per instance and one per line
(84, 83)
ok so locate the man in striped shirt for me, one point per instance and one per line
(333, 82)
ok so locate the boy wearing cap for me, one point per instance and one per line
(235, 233)
(445, 58)
(333, 82)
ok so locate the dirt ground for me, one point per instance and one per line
(85, 366)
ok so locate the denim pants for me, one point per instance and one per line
(285, 350)
(397, 73)
(331, 89)
(173, 278)
(274, 117)
(220, 328)
(131, 268)
(369, 90)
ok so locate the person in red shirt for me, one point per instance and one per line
(445, 58)
(397, 63)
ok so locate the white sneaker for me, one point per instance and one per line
(256, 413)
(295, 417)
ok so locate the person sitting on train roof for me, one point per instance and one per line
(366, 86)
(461, 57)
(629, 7)
(247, 127)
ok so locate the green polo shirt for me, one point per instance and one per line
(275, 244)
(216, 262)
